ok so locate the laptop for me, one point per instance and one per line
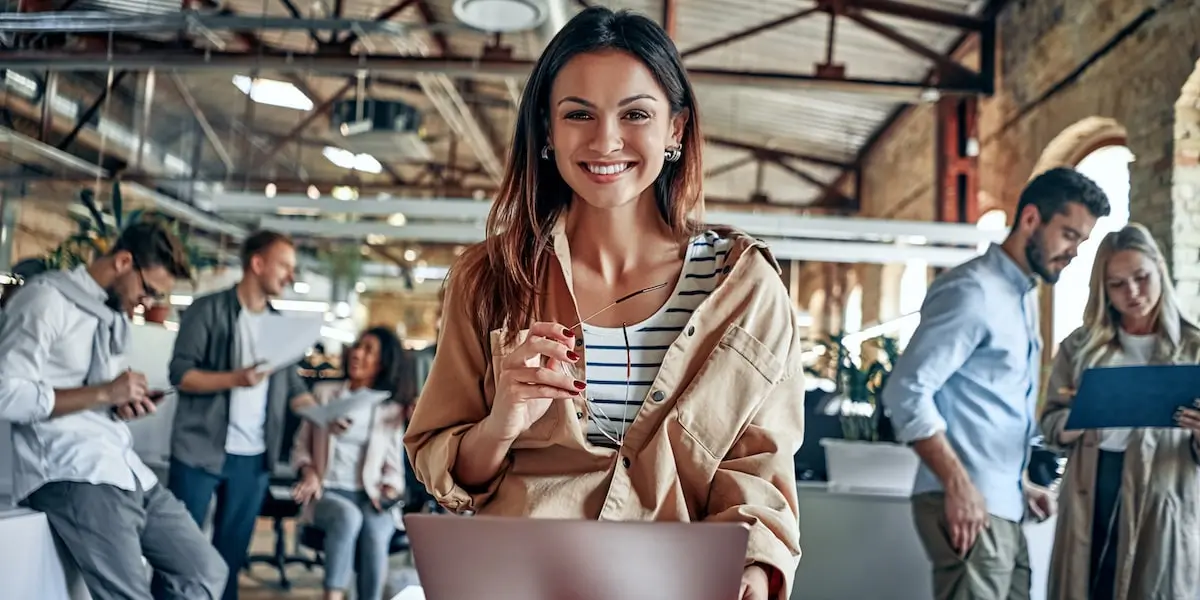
(503, 558)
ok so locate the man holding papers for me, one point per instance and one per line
(964, 393)
(1131, 496)
(231, 366)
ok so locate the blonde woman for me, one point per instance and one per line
(1127, 528)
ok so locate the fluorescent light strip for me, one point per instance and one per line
(273, 93)
(338, 335)
(288, 305)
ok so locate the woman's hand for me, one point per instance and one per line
(308, 488)
(340, 426)
(1066, 438)
(386, 493)
(756, 584)
(524, 393)
(1189, 418)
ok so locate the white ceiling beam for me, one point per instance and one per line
(868, 252)
(784, 249)
(465, 233)
(412, 208)
(762, 225)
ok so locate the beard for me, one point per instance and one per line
(1039, 263)
(114, 300)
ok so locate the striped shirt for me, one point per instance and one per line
(623, 362)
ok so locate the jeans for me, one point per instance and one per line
(356, 535)
(240, 489)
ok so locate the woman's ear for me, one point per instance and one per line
(679, 125)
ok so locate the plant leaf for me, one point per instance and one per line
(118, 206)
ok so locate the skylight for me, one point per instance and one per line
(349, 160)
(273, 93)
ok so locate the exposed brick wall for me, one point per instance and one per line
(897, 180)
(39, 230)
(1060, 62)
(1185, 207)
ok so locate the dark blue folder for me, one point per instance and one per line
(1145, 396)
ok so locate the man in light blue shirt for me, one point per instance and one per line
(964, 393)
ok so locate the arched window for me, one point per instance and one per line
(913, 285)
(852, 319)
(1109, 168)
(992, 220)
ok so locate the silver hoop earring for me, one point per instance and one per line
(674, 154)
(545, 152)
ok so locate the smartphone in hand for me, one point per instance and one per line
(157, 396)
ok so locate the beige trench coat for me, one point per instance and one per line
(1158, 552)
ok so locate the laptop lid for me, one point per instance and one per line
(501, 558)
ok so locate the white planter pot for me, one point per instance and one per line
(879, 467)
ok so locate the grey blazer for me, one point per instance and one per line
(207, 341)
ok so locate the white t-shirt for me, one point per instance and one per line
(1136, 350)
(347, 451)
(248, 406)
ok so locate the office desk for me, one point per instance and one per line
(31, 565)
(863, 546)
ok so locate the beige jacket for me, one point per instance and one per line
(384, 459)
(1158, 548)
(713, 442)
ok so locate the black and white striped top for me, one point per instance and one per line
(619, 374)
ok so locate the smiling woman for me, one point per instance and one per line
(603, 355)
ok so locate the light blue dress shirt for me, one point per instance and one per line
(972, 370)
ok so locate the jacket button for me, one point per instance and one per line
(625, 461)
(657, 395)
(691, 330)
(579, 415)
(578, 342)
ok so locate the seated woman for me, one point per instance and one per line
(602, 354)
(1127, 508)
(352, 473)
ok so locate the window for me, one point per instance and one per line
(853, 317)
(914, 283)
(992, 220)
(1109, 168)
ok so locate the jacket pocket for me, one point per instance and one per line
(544, 428)
(728, 391)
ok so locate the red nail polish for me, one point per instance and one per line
(568, 333)
(579, 385)
(571, 356)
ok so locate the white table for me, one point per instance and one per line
(864, 546)
(31, 565)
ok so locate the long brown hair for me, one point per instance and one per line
(502, 274)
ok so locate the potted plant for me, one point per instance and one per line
(96, 238)
(866, 456)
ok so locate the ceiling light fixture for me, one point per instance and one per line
(273, 93)
(349, 160)
(344, 193)
(501, 15)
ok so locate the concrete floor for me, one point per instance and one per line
(262, 581)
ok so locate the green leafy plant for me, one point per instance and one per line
(344, 265)
(859, 387)
(95, 237)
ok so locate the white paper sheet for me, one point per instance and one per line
(350, 401)
(412, 592)
(284, 340)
